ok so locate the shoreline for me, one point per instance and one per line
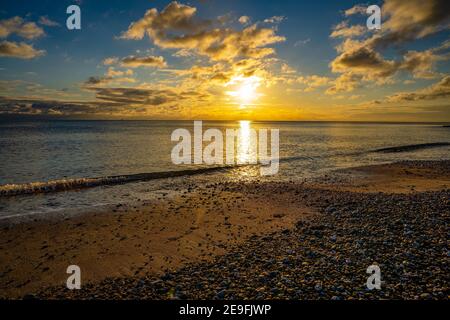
(307, 233)
(156, 236)
(76, 184)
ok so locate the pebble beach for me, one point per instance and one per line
(323, 253)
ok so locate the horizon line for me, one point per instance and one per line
(226, 120)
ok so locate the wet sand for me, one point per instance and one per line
(152, 237)
(253, 240)
(401, 177)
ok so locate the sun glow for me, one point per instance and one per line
(246, 92)
(245, 89)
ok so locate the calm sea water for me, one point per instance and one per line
(41, 151)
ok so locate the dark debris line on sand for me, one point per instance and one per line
(325, 257)
(413, 147)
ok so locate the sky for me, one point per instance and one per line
(226, 60)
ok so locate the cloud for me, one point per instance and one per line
(231, 54)
(213, 74)
(111, 73)
(149, 61)
(345, 83)
(114, 101)
(357, 9)
(342, 30)
(110, 61)
(183, 53)
(28, 30)
(439, 90)
(401, 112)
(364, 60)
(136, 62)
(45, 21)
(444, 46)
(302, 42)
(174, 17)
(141, 100)
(275, 19)
(413, 19)
(43, 107)
(33, 107)
(404, 21)
(19, 50)
(16, 25)
(101, 82)
(313, 82)
(244, 20)
(285, 68)
(135, 96)
(176, 27)
(371, 65)
(408, 20)
(221, 77)
(422, 64)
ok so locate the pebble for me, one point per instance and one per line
(308, 262)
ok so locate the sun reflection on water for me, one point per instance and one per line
(246, 151)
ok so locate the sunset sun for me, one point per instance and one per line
(246, 92)
(245, 89)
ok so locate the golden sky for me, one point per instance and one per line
(202, 61)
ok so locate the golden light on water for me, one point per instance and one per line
(246, 150)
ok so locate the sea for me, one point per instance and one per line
(58, 168)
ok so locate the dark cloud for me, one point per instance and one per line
(411, 20)
(403, 21)
(346, 82)
(95, 81)
(422, 63)
(439, 90)
(148, 61)
(110, 101)
(19, 50)
(364, 60)
(132, 96)
(40, 107)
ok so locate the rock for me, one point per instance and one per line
(220, 295)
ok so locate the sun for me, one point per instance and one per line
(246, 92)
(245, 89)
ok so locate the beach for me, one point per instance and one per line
(233, 150)
(249, 240)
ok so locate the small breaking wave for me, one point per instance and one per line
(81, 183)
(412, 147)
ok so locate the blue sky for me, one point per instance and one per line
(77, 52)
(72, 56)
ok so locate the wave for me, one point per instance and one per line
(412, 147)
(81, 183)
